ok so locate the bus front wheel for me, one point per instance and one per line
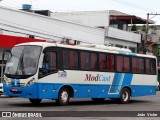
(125, 96)
(35, 101)
(63, 97)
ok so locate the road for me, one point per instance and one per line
(85, 107)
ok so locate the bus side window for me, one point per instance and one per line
(141, 65)
(126, 64)
(49, 62)
(119, 63)
(84, 59)
(148, 68)
(73, 59)
(66, 59)
(93, 61)
(134, 65)
(110, 62)
(102, 62)
(153, 66)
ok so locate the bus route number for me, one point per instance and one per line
(62, 74)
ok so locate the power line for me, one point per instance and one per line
(134, 5)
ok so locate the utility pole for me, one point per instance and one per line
(146, 35)
(146, 31)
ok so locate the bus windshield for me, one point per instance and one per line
(23, 61)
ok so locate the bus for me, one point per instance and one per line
(42, 70)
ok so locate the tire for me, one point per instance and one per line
(98, 99)
(35, 101)
(63, 97)
(125, 96)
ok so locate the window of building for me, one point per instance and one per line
(120, 46)
(133, 49)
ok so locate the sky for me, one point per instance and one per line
(139, 8)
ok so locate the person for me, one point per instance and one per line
(45, 66)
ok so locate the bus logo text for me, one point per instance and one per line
(90, 77)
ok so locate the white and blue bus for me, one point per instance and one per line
(41, 70)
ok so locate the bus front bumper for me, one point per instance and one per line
(25, 92)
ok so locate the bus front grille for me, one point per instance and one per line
(18, 84)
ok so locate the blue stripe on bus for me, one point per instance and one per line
(117, 81)
(120, 79)
(51, 90)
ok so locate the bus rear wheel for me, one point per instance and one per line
(35, 101)
(63, 97)
(125, 96)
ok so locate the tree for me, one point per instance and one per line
(134, 28)
(144, 28)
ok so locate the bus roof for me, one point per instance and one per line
(90, 47)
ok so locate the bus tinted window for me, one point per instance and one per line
(119, 63)
(140, 65)
(137, 65)
(66, 59)
(148, 68)
(123, 64)
(70, 59)
(49, 62)
(134, 65)
(110, 62)
(93, 61)
(153, 66)
(53, 61)
(102, 61)
(126, 64)
(73, 59)
(84, 60)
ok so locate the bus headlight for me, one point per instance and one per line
(5, 80)
(30, 82)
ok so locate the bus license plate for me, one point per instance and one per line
(14, 89)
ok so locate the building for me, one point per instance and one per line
(116, 25)
(19, 26)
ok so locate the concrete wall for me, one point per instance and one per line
(46, 27)
(123, 35)
(90, 18)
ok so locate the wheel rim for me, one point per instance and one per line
(125, 96)
(64, 96)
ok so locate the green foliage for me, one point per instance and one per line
(134, 28)
(144, 28)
